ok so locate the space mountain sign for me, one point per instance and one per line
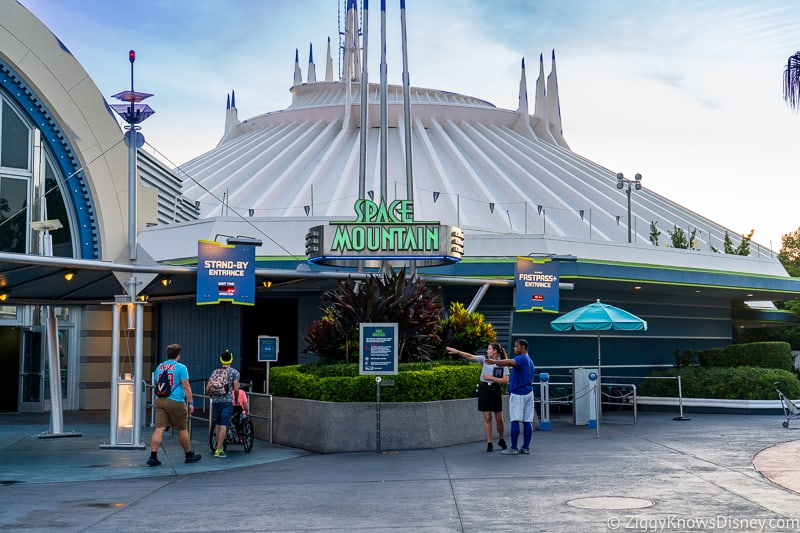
(383, 231)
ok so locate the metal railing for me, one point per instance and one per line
(207, 402)
(617, 400)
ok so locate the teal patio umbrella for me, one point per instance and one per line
(598, 316)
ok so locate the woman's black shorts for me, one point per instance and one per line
(490, 397)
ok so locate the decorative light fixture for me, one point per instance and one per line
(621, 184)
(166, 282)
(69, 274)
(143, 297)
(266, 283)
(3, 296)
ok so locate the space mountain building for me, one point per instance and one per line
(449, 185)
(506, 177)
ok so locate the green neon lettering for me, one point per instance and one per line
(341, 239)
(357, 238)
(432, 237)
(359, 208)
(373, 238)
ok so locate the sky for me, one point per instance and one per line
(687, 93)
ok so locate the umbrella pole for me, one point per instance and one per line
(599, 393)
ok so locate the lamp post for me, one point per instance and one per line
(624, 183)
(133, 113)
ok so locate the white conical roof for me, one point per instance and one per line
(286, 162)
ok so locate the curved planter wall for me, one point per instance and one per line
(329, 427)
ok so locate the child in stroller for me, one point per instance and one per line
(240, 430)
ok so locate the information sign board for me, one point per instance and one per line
(378, 349)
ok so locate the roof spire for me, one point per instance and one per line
(298, 76)
(522, 108)
(351, 70)
(540, 122)
(523, 123)
(554, 106)
(312, 69)
(231, 117)
(329, 63)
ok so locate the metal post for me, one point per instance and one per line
(116, 310)
(544, 423)
(132, 172)
(680, 402)
(406, 105)
(628, 192)
(378, 416)
(137, 375)
(384, 136)
(362, 155)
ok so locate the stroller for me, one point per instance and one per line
(790, 409)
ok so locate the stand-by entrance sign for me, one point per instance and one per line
(378, 349)
(225, 273)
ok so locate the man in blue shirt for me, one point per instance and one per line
(171, 411)
(520, 400)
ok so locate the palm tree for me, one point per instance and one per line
(791, 81)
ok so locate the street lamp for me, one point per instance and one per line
(622, 182)
(133, 113)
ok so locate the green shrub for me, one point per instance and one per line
(762, 354)
(736, 383)
(685, 358)
(415, 382)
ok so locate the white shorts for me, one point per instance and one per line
(520, 407)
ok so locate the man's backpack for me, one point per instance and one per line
(163, 385)
(218, 382)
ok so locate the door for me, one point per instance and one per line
(31, 385)
(9, 359)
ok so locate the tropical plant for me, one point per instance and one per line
(466, 331)
(680, 238)
(744, 244)
(390, 298)
(655, 233)
(791, 81)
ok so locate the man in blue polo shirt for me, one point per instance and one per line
(172, 411)
(520, 400)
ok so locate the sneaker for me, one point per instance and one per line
(153, 461)
(511, 451)
(193, 458)
(489, 447)
(220, 453)
(525, 451)
(502, 444)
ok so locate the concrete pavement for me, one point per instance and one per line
(657, 475)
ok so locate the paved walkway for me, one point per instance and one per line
(657, 475)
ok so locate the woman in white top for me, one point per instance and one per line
(490, 393)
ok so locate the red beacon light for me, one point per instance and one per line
(132, 55)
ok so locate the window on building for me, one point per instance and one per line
(15, 140)
(17, 187)
(13, 211)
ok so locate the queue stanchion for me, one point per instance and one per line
(544, 384)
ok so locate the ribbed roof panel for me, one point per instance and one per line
(465, 149)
